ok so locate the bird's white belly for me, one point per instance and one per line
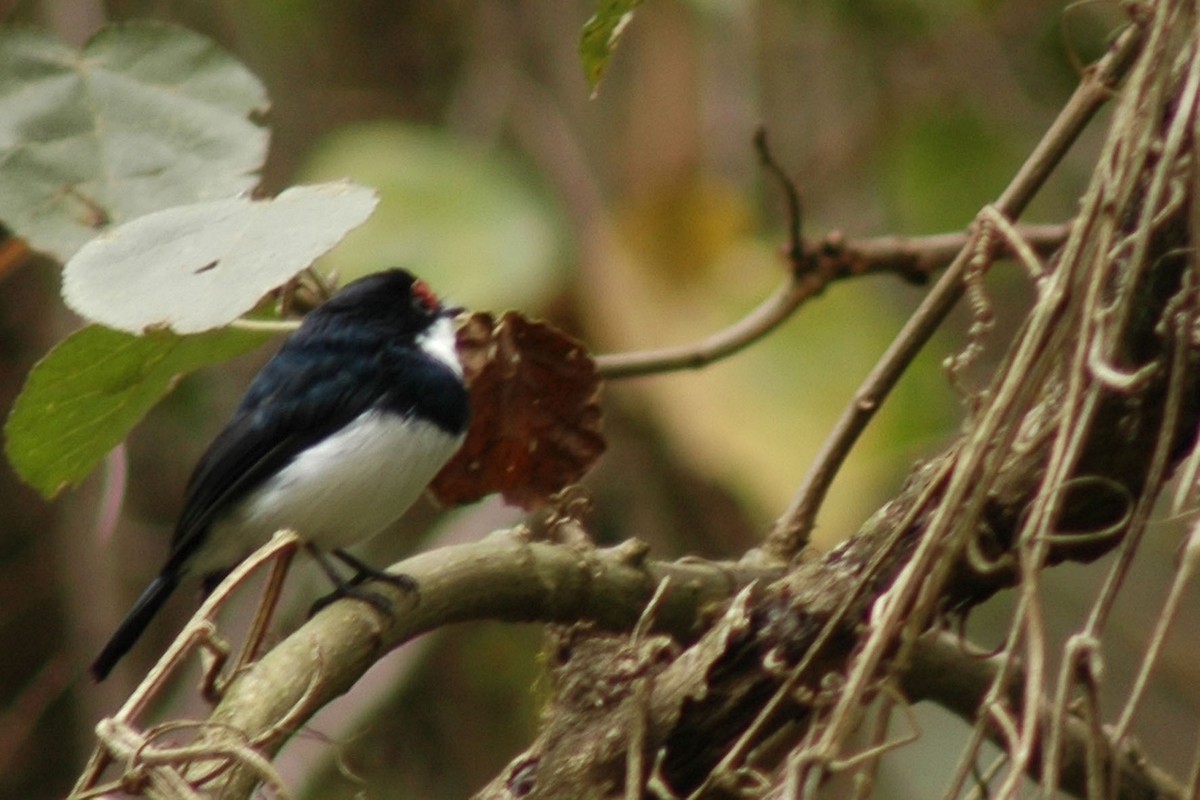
(338, 492)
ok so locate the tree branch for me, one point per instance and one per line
(791, 532)
(505, 576)
(946, 672)
(1096, 402)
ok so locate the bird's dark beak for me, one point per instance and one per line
(453, 311)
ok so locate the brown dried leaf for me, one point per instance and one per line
(535, 425)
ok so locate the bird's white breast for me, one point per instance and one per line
(338, 492)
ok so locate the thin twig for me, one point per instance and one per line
(266, 609)
(963, 681)
(198, 631)
(927, 567)
(265, 325)
(833, 258)
(758, 323)
(795, 248)
(791, 532)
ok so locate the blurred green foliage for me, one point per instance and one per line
(469, 219)
(944, 165)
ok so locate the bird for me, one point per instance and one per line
(336, 436)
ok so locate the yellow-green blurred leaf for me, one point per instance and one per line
(468, 219)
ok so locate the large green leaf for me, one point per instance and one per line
(83, 398)
(198, 267)
(147, 116)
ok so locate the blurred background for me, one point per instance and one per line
(635, 219)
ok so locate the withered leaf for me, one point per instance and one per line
(535, 413)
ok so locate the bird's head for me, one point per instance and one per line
(394, 299)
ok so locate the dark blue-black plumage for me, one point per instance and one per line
(355, 352)
(379, 356)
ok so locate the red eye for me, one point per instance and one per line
(425, 296)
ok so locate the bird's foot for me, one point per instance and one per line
(355, 592)
(364, 572)
(353, 588)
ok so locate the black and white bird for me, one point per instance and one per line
(336, 437)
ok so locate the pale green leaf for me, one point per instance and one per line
(145, 117)
(198, 267)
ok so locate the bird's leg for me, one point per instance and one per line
(344, 588)
(364, 572)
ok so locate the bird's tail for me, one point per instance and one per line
(134, 623)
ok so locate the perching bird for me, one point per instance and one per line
(336, 437)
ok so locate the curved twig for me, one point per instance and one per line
(914, 258)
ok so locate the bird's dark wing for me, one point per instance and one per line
(244, 456)
(300, 397)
